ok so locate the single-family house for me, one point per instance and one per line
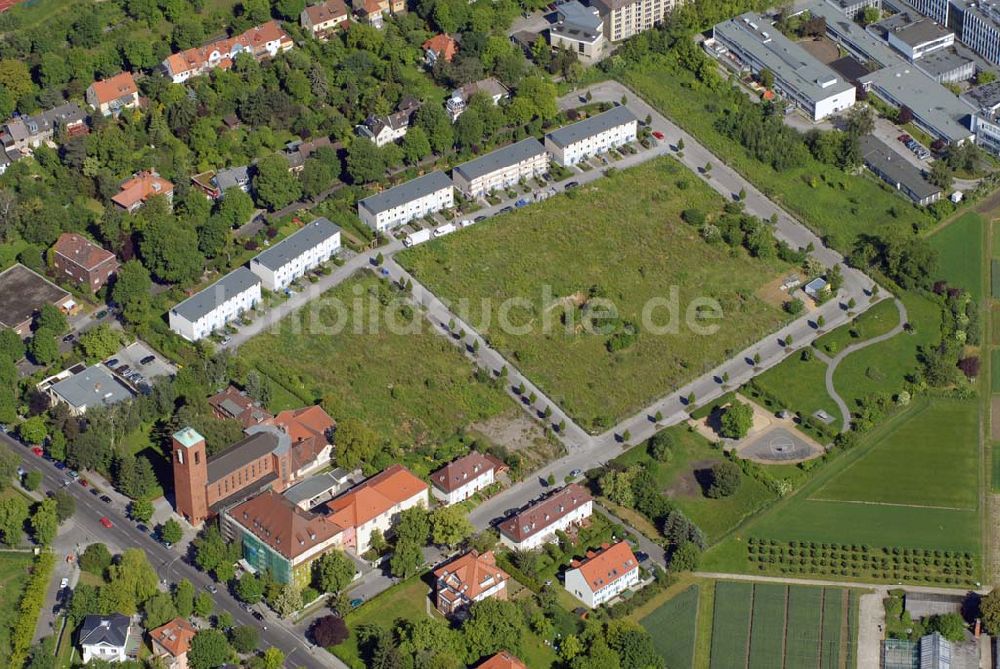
(503, 660)
(501, 169)
(110, 96)
(320, 20)
(373, 12)
(300, 252)
(83, 261)
(462, 478)
(384, 129)
(603, 574)
(139, 188)
(536, 525)
(409, 200)
(459, 100)
(212, 308)
(440, 47)
(172, 641)
(110, 638)
(467, 579)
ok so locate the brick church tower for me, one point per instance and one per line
(190, 475)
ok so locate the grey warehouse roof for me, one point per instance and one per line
(260, 440)
(500, 159)
(931, 102)
(888, 162)
(753, 34)
(290, 248)
(589, 127)
(406, 192)
(202, 303)
(986, 96)
(942, 61)
(91, 387)
(914, 30)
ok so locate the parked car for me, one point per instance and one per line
(226, 340)
(107, 522)
(571, 184)
(904, 138)
(101, 314)
(148, 359)
(73, 474)
(142, 528)
(60, 465)
(659, 135)
(445, 229)
(506, 210)
(124, 369)
(212, 589)
(356, 602)
(112, 363)
(64, 583)
(479, 219)
(576, 472)
(37, 450)
(105, 499)
(68, 338)
(523, 202)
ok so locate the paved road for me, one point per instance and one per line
(168, 563)
(831, 363)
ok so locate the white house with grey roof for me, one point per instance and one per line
(751, 43)
(212, 308)
(579, 29)
(109, 638)
(501, 169)
(295, 255)
(80, 388)
(409, 200)
(589, 137)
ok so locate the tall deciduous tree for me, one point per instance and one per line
(274, 185)
(131, 291)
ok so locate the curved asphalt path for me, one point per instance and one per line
(836, 360)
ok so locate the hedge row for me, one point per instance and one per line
(30, 606)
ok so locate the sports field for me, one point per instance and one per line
(774, 626)
(673, 627)
(960, 253)
(620, 239)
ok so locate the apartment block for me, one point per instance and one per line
(83, 261)
(603, 574)
(625, 18)
(407, 201)
(597, 134)
(579, 29)
(211, 309)
(295, 255)
(537, 525)
(501, 169)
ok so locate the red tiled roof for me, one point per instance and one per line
(606, 565)
(503, 660)
(308, 429)
(444, 45)
(282, 525)
(81, 250)
(175, 636)
(115, 87)
(375, 496)
(469, 575)
(458, 472)
(537, 517)
(140, 188)
(254, 40)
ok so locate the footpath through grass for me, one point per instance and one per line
(620, 239)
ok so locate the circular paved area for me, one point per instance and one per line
(778, 444)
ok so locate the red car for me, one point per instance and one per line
(84, 483)
(37, 450)
(107, 522)
(657, 134)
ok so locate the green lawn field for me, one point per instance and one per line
(800, 386)
(836, 205)
(805, 614)
(931, 460)
(13, 575)
(731, 624)
(767, 633)
(410, 388)
(621, 238)
(673, 627)
(691, 451)
(960, 253)
(878, 320)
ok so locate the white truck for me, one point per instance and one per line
(445, 229)
(418, 237)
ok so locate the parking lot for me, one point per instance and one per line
(129, 366)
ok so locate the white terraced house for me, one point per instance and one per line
(407, 201)
(603, 574)
(597, 134)
(295, 255)
(502, 168)
(462, 478)
(224, 301)
(537, 525)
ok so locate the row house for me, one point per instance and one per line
(603, 574)
(462, 478)
(322, 19)
(459, 100)
(134, 192)
(212, 308)
(83, 261)
(537, 525)
(382, 130)
(375, 504)
(467, 579)
(263, 41)
(574, 143)
(114, 94)
(501, 169)
(295, 255)
(408, 201)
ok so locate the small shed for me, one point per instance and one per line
(817, 287)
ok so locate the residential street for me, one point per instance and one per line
(169, 563)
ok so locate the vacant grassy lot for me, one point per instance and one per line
(410, 388)
(960, 253)
(878, 320)
(407, 601)
(800, 386)
(932, 459)
(834, 204)
(621, 239)
(770, 626)
(881, 367)
(677, 479)
(673, 627)
(13, 574)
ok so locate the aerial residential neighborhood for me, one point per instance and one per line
(595, 333)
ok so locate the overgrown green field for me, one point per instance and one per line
(836, 205)
(800, 385)
(877, 320)
(673, 627)
(13, 575)
(622, 239)
(409, 388)
(960, 253)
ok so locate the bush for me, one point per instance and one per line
(95, 559)
(32, 599)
